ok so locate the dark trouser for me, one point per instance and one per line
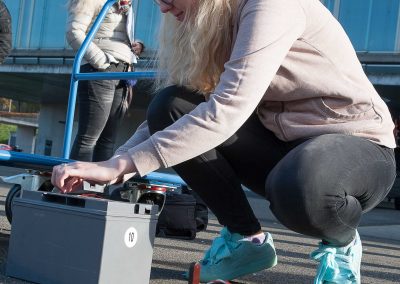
(318, 186)
(101, 110)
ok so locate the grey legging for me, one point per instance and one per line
(318, 186)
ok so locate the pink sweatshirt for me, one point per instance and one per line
(291, 62)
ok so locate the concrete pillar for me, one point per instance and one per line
(51, 130)
(25, 138)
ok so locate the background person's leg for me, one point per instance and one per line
(95, 99)
(104, 148)
(323, 185)
(217, 175)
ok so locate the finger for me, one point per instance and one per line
(77, 186)
(72, 184)
(60, 175)
(67, 186)
(55, 175)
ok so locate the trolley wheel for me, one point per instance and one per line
(14, 192)
(397, 203)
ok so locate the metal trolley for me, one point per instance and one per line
(151, 188)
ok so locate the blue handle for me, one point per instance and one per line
(29, 161)
(115, 75)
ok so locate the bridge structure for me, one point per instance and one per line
(39, 66)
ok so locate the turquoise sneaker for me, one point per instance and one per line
(339, 264)
(230, 257)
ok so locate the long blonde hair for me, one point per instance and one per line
(192, 53)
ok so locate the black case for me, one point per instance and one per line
(178, 218)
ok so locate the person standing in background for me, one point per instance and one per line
(102, 103)
(5, 32)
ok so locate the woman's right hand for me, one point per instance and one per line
(69, 177)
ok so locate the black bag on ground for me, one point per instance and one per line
(183, 215)
(178, 219)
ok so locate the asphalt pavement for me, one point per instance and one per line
(379, 230)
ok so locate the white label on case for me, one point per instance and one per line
(130, 237)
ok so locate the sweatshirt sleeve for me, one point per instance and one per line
(78, 25)
(267, 30)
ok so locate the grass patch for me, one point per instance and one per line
(5, 130)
